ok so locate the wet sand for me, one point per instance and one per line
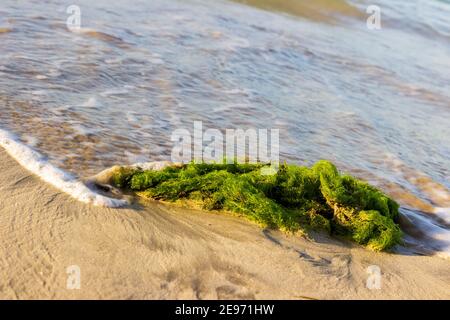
(164, 252)
(318, 10)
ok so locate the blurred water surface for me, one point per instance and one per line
(376, 102)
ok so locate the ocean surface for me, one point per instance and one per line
(375, 102)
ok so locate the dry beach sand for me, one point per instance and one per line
(164, 252)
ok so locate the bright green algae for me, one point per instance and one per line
(296, 198)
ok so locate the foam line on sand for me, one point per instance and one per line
(36, 163)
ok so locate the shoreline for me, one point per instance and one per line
(163, 252)
(37, 164)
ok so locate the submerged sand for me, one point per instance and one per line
(163, 252)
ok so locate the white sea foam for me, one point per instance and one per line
(39, 92)
(91, 103)
(114, 92)
(30, 140)
(443, 213)
(37, 164)
(436, 236)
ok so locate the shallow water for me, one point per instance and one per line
(376, 102)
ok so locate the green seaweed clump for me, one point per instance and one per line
(293, 199)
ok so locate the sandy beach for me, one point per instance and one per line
(164, 252)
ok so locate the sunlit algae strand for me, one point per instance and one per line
(295, 198)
